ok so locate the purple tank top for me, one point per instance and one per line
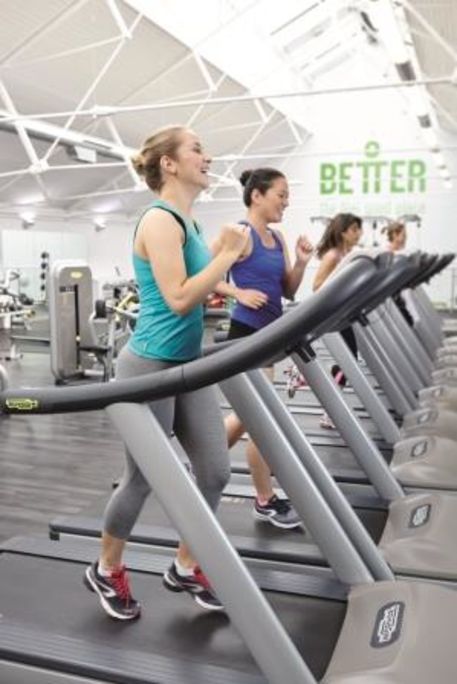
(263, 270)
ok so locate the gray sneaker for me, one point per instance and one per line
(278, 512)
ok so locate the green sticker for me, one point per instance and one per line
(22, 404)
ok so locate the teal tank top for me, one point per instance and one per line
(159, 332)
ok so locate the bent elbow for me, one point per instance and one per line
(179, 307)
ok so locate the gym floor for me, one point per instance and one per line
(51, 465)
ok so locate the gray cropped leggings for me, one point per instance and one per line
(197, 422)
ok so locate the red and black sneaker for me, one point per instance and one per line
(113, 592)
(197, 585)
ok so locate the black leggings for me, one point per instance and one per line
(401, 304)
(349, 337)
(238, 329)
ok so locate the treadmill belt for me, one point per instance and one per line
(338, 460)
(309, 423)
(252, 538)
(192, 646)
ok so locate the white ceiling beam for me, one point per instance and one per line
(66, 53)
(43, 30)
(13, 174)
(127, 157)
(207, 37)
(245, 147)
(103, 71)
(100, 193)
(451, 51)
(68, 137)
(150, 82)
(10, 182)
(119, 19)
(260, 109)
(85, 167)
(199, 109)
(109, 110)
(444, 112)
(204, 71)
(19, 126)
(37, 166)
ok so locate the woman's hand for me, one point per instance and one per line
(303, 250)
(253, 299)
(234, 239)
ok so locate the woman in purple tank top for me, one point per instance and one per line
(261, 278)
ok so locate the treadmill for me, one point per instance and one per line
(401, 398)
(382, 632)
(414, 530)
(424, 451)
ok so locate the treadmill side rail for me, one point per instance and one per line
(419, 536)
(396, 632)
(426, 461)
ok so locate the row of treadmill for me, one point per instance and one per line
(363, 593)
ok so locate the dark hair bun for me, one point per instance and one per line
(245, 177)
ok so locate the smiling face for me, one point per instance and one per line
(399, 240)
(272, 204)
(191, 164)
(352, 235)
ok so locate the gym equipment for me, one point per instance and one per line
(70, 300)
(386, 633)
(412, 546)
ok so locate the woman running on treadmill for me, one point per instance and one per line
(261, 277)
(340, 236)
(175, 273)
(396, 236)
(396, 242)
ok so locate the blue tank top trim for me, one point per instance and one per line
(264, 269)
(160, 333)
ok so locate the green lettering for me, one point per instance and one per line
(378, 175)
(396, 174)
(345, 177)
(365, 176)
(327, 180)
(416, 175)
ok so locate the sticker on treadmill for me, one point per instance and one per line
(22, 404)
(420, 516)
(419, 449)
(426, 416)
(438, 392)
(387, 628)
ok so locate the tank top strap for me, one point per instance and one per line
(157, 204)
(277, 239)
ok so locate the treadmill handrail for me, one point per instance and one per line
(402, 267)
(322, 306)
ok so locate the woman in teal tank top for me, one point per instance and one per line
(175, 273)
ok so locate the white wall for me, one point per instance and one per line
(342, 129)
(342, 126)
(108, 252)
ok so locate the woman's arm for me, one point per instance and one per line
(160, 239)
(253, 299)
(328, 264)
(294, 274)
